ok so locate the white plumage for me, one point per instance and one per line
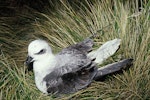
(70, 70)
(105, 51)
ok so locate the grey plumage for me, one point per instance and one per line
(113, 68)
(73, 68)
(74, 73)
(78, 71)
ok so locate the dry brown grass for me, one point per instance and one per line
(66, 26)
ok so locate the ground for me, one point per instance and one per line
(67, 23)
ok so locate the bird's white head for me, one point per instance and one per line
(38, 50)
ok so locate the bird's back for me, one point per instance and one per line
(74, 69)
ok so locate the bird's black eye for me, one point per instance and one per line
(41, 51)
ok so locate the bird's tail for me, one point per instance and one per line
(105, 51)
(112, 68)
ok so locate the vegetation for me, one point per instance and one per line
(67, 23)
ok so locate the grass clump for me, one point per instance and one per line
(71, 23)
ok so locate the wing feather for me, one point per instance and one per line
(73, 73)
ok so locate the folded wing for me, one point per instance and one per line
(74, 70)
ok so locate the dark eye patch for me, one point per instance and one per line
(41, 51)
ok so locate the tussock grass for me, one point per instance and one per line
(70, 23)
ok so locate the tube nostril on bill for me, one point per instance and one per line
(29, 63)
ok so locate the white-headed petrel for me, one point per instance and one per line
(73, 68)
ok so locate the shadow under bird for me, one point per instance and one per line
(72, 69)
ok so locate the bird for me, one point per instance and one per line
(74, 67)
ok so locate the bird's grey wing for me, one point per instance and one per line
(105, 51)
(74, 70)
(113, 68)
(72, 76)
(84, 46)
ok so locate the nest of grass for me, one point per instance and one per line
(70, 23)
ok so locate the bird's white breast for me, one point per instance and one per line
(41, 85)
(41, 69)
